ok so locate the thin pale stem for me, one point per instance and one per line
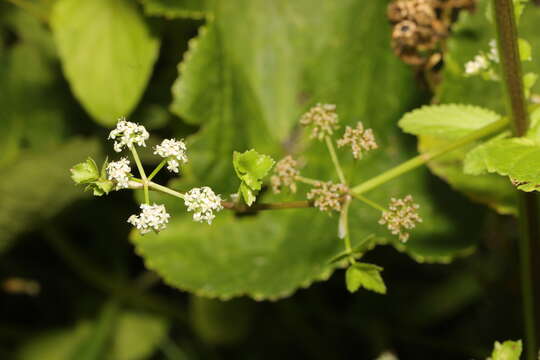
(164, 189)
(371, 203)
(335, 159)
(343, 229)
(529, 245)
(242, 208)
(157, 169)
(308, 181)
(142, 173)
(428, 156)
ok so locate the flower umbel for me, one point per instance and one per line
(478, 64)
(328, 196)
(128, 133)
(152, 218)
(119, 172)
(360, 139)
(402, 215)
(203, 202)
(174, 151)
(323, 118)
(285, 172)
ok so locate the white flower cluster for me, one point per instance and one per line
(119, 172)
(482, 62)
(127, 133)
(174, 151)
(203, 202)
(152, 218)
(478, 64)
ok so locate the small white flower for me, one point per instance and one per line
(128, 133)
(493, 51)
(119, 171)
(174, 151)
(203, 201)
(476, 65)
(152, 217)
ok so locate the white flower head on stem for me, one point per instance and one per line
(328, 196)
(323, 118)
(285, 173)
(360, 139)
(128, 133)
(203, 202)
(152, 218)
(493, 51)
(402, 215)
(119, 172)
(174, 151)
(478, 64)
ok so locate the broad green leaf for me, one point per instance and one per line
(508, 350)
(85, 172)
(37, 187)
(221, 322)
(517, 158)
(261, 82)
(171, 9)
(450, 121)
(107, 50)
(365, 275)
(529, 80)
(32, 102)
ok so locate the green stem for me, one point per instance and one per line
(142, 173)
(157, 169)
(164, 189)
(343, 231)
(529, 245)
(335, 159)
(308, 181)
(428, 156)
(371, 203)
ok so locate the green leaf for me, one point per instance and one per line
(365, 275)
(85, 172)
(37, 187)
(508, 350)
(517, 158)
(33, 106)
(172, 9)
(221, 322)
(251, 167)
(107, 51)
(137, 336)
(261, 82)
(450, 121)
(525, 50)
(127, 335)
(529, 80)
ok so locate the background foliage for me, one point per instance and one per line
(230, 76)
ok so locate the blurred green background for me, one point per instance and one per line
(233, 75)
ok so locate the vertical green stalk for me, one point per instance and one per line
(142, 173)
(507, 41)
(335, 159)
